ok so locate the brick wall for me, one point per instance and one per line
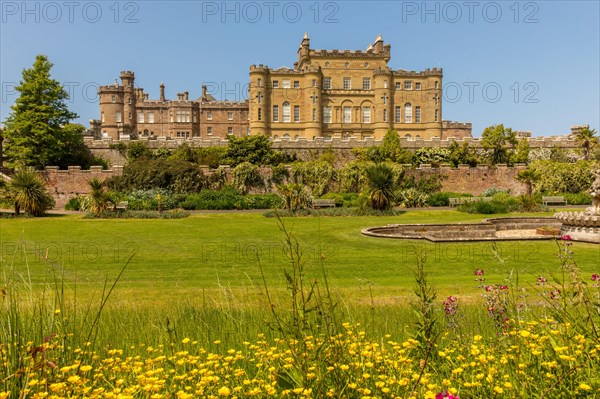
(64, 184)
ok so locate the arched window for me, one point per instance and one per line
(285, 137)
(276, 137)
(286, 112)
(407, 113)
(296, 137)
(408, 137)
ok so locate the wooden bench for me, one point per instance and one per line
(556, 200)
(121, 206)
(464, 200)
(323, 203)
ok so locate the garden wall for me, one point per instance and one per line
(64, 184)
(311, 149)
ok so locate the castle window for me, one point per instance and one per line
(385, 115)
(314, 115)
(275, 113)
(407, 113)
(129, 116)
(286, 136)
(408, 85)
(296, 84)
(230, 130)
(296, 113)
(366, 83)
(326, 114)
(118, 117)
(209, 115)
(436, 115)
(285, 84)
(347, 84)
(102, 117)
(209, 131)
(150, 117)
(259, 82)
(275, 84)
(366, 114)
(286, 112)
(326, 83)
(398, 86)
(195, 117)
(113, 98)
(436, 98)
(418, 114)
(105, 134)
(385, 84)
(436, 84)
(314, 83)
(347, 115)
(417, 85)
(229, 116)
(129, 101)
(260, 114)
(397, 116)
(140, 117)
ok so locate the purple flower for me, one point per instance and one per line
(595, 277)
(478, 272)
(541, 280)
(566, 238)
(446, 395)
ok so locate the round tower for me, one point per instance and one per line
(129, 112)
(111, 110)
(259, 100)
(381, 116)
(313, 104)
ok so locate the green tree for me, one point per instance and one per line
(35, 129)
(462, 155)
(391, 150)
(380, 186)
(139, 150)
(495, 139)
(521, 153)
(29, 193)
(254, 149)
(587, 140)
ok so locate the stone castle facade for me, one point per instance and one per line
(327, 94)
(126, 112)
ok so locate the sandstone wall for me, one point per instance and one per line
(312, 149)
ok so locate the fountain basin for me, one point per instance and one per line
(495, 229)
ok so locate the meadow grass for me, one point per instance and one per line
(207, 256)
(219, 279)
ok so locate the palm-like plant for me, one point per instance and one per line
(99, 200)
(295, 196)
(380, 186)
(529, 177)
(587, 139)
(29, 193)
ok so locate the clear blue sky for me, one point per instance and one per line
(532, 65)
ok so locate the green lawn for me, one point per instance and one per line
(211, 256)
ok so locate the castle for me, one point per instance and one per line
(327, 94)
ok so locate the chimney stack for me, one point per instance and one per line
(204, 96)
(162, 91)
